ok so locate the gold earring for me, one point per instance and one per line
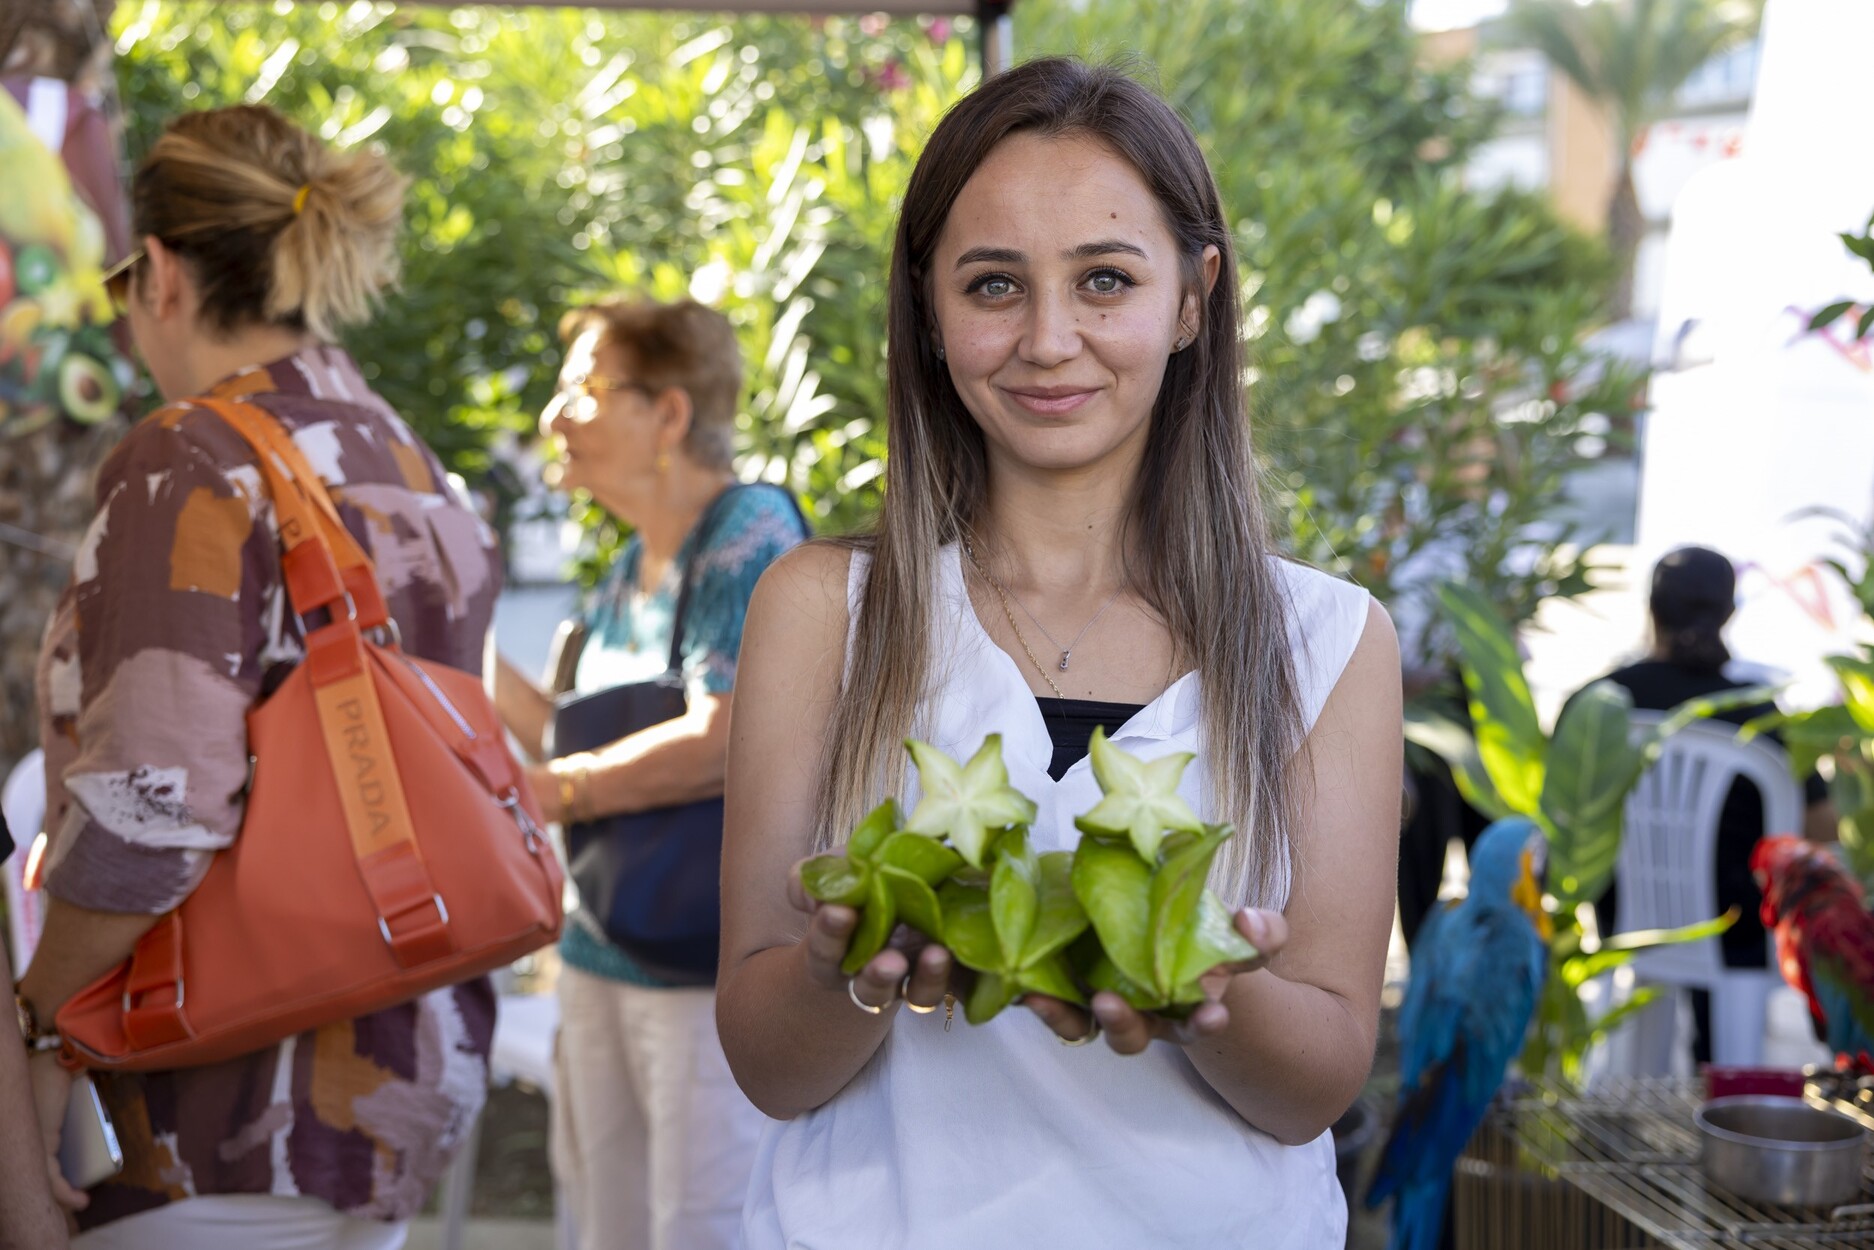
(663, 463)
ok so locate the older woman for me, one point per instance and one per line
(652, 1141)
(257, 244)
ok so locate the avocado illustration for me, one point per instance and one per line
(87, 391)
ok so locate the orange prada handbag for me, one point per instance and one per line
(390, 845)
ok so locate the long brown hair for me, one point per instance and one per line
(1195, 538)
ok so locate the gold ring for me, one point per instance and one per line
(1093, 1031)
(904, 992)
(852, 992)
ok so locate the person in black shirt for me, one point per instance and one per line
(1693, 596)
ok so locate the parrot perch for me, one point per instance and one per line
(1824, 941)
(1477, 969)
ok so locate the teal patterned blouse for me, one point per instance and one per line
(628, 640)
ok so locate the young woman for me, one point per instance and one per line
(257, 244)
(1070, 535)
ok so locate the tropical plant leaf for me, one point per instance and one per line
(1453, 744)
(1592, 760)
(1508, 734)
(1619, 950)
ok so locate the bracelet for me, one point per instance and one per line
(565, 779)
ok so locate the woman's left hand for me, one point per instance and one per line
(1128, 1030)
(52, 1090)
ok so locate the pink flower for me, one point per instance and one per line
(892, 76)
(940, 30)
(873, 24)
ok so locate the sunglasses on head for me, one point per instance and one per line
(117, 281)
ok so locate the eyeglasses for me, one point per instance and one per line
(117, 282)
(592, 385)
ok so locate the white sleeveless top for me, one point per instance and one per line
(998, 1135)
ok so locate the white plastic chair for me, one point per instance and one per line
(23, 799)
(1665, 879)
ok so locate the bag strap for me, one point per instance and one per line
(706, 528)
(331, 568)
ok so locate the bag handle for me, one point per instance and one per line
(705, 534)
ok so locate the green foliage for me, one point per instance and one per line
(1419, 383)
(1861, 246)
(1574, 785)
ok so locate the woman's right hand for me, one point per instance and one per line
(879, 984)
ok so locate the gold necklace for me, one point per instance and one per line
(1001, 595)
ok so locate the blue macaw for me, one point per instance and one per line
(1477, 967)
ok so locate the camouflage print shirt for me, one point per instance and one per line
(175, 623)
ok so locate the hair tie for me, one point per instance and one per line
(299, 198)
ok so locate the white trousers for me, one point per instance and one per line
(652, 1139)
(244, 1222)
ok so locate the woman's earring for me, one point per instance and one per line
(940, 352)
(663, 463)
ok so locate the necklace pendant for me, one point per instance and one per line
(1064, 656)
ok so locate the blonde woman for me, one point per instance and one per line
(1070, 536)
(257, 244)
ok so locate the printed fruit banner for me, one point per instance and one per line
(56, 353)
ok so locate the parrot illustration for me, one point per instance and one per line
(1824, 941)
(1477, 968)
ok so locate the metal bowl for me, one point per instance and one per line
(1781, 1150)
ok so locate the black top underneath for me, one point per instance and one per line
(1071, 723)
(1658, 685)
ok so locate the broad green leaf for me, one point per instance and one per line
(1211, 940)
(876, 921)
(1053, 977)
(1592, 761)
(1808, 736)
(916, 901)
(1453, 744)
(1699, 709)
(1114, 885)
(1857, 684)
(880, 823)
(1014, 898)
(1177, 887)
(835, 879)
(928, 860)
(1509, 736)
(968, 931)
(991, 993)
(1141, 800)
(969, 804)
(1829, 313)
(1060, 918)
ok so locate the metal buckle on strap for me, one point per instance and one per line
(128, 1005)
(383, 926)
(530, 832)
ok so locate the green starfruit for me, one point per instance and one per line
(1013, 927)
(1141, 800)
(887, 874)
(970, 803)
(1160, 930)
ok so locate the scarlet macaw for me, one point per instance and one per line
(1824, 941)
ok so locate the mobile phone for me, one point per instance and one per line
(88, 1149)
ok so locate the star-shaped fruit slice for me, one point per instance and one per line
(969, 803)
(1142, 801)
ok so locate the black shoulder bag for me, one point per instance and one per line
(651, 881)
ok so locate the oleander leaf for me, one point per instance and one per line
(1114, 886)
